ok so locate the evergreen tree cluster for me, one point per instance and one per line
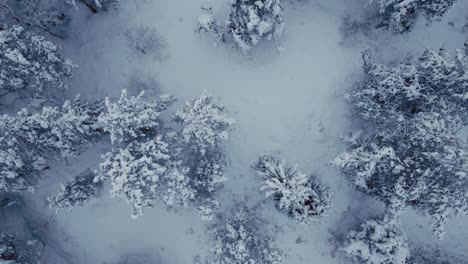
(400, 15)
(409, 152)
(149, 161)
(412, 154)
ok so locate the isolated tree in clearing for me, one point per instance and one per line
(296, 193)
(146, 41)
(249, 22)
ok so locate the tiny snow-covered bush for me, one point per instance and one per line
(297, 194)
(143, 172)
(249, 22)
(14, 249)
(144, 40)
(32, 67)
(380, 241)
(401, 15)
(240, 237)
(207, 23)
(131, 118)
(76, 192)
(204, 123)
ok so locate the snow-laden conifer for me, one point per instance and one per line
(296, 193)
(378, 241)
(31, 66)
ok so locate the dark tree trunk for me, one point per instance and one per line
(90, 6)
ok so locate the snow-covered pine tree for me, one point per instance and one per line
(32, 67)
(204, 123)
(209, 172)
(379, 241)
(14, 249)
(206, 173)
(251, 21)
(241, 237)
(400, 15)
(46, 16)
(28, 141)
(76, 192)
(205, 127)
(411, 153)
(15, 174)
(297, 194)
(143, 172)
(132, 118)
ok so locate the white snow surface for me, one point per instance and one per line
(289, 104)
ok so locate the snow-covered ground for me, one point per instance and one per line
(288, 104)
